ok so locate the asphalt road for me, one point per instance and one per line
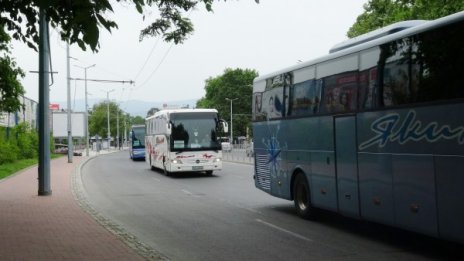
(191, 216)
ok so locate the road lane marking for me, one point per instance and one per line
(187, 192)
(190, 193)
(284, 230)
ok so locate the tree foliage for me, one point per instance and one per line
(380, 13)
(19, 142)
(80, 21)
(10, 87)
(232, 84)
(137, 120)
(152, 111)
(98, 119)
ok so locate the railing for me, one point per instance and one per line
(238, 155)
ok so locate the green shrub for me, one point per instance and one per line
(8, 152)
(21, 143)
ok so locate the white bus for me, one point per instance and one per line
(184, 140)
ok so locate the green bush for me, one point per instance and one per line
(27, 141)
(20, 142)
(8, 152)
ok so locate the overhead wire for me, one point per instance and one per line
(146, 60)
(156, 68)
(161, 62)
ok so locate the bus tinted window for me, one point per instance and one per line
(439, 57)
(305, 98)
(426, 67)
(194, 131)
(339, 84)
(367, 84)
(138, 137)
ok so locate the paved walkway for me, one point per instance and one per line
(52, 227)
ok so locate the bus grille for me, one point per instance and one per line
(263, 173)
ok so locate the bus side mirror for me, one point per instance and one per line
(168, 129)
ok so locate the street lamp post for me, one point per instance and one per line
(108, 115)
(86, 110)
(231, 126)
(70, 141)
(117, 128)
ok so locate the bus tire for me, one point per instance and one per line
(209, 173)
(302, 197)
(165, 171)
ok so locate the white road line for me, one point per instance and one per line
(157, 179)
(190, 193)
(187, 192)
(284, 230)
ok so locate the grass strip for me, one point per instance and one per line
(9, 169)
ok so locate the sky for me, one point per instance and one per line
(266, 37)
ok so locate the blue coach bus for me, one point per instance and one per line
(137, 142)
(372, 131)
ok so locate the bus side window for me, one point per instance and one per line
(305, 97)
(368, 78)
(340, 84)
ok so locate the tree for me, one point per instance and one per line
(10, 88)
(380, 13)
(152, 111)
(137, 120)
(98, 119)
(233, 83)
(80, 22)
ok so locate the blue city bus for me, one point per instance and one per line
(137, 142)
(372, 131)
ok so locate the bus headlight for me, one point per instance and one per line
(217, 160)
(176, 161)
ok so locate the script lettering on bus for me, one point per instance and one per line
(391, 128)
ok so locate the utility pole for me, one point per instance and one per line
(108, 115)
(86, 110)
(86, 107)
(70, 141)
(231, 126)
(125, 129)
(117, 127)
(44, 100)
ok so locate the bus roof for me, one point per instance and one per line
(259, 82)
(372, 35)
(173, 111)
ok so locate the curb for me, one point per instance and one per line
(130, 240)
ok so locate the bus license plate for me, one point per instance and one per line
(197, 168)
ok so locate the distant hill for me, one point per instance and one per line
(133, 107)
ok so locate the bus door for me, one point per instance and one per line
(346, 165)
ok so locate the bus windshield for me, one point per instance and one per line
(138, 137)
(194, 131)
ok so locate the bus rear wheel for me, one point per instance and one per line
(302, 197)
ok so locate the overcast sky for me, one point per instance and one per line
(238, 34)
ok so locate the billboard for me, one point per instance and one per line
(54, 106)
(60, 124)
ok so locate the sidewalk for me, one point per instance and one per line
(53, 227)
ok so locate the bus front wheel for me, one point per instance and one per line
(302, 197)
(167, 173)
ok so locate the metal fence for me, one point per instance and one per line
(238, 155)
